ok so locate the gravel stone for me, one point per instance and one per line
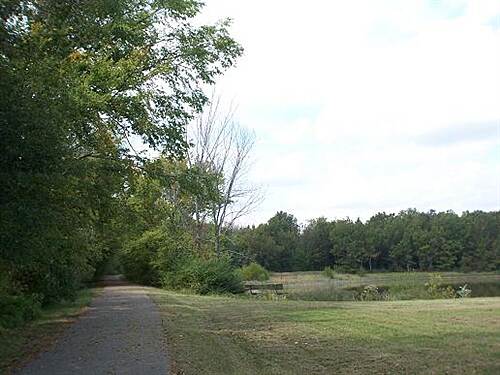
(121, 333)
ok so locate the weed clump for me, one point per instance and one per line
(373, 293)
(435, 288)
(329, 272)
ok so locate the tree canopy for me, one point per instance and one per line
(82, 82)
(410, 240)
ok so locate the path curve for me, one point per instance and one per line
(121, 333)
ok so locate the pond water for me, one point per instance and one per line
(485, 289)
(478, 289)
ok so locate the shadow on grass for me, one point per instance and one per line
(19, 345)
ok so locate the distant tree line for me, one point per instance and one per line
(409, 240)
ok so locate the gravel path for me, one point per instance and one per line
(120, 334)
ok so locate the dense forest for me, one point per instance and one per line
(410, 240)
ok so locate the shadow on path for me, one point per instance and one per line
(121, 333)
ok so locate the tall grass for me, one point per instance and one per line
(318, 286)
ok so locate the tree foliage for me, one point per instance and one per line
(81, 82)
(410, 240)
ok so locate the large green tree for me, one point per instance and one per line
(315, 244)
(81, 82)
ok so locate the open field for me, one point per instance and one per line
(228, 335)
(314, 285)
(19, 344)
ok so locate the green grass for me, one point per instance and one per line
(19, 344)
(313, 285)
(229, 335)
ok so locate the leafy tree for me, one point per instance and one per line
(378, 239)
(284, 232)
(349, 245)
(81, 80)
(481, 240)
(273, 244)
(316, 244)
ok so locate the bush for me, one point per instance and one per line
(436, 290)
(16, 310)
(181, 275)
(254, 272)
(138, 256)
(329, 272)
(172, 260)
(372, 293)
(217, 275)
(167, 258)
(156, 257)
(203, 276)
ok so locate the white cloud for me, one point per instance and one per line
(341, 93)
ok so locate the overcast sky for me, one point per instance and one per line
(367, 106)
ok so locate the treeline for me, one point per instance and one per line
(81, 82)
(409, 240)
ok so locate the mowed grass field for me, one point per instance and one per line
(237, 335)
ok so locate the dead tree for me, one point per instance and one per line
(222, 147)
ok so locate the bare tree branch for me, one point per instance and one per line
(222, 146)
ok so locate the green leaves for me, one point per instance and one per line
(80, 81)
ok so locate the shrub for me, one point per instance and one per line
(254, 271)
(217, 275)
(156, 257)
(181, 275)
(436, 290)
(166, 258)
(173, 259)
(214, 275)
(138, 256)
(16, 310)
(372, 293)
(329, 272)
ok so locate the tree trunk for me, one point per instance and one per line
(217, 240)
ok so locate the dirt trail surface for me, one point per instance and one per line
(121, 333)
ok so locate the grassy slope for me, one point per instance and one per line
(19, 344)
(223, 335)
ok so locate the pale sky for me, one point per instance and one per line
(367, 106)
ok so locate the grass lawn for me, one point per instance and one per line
(19, 344)
(228, 335)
